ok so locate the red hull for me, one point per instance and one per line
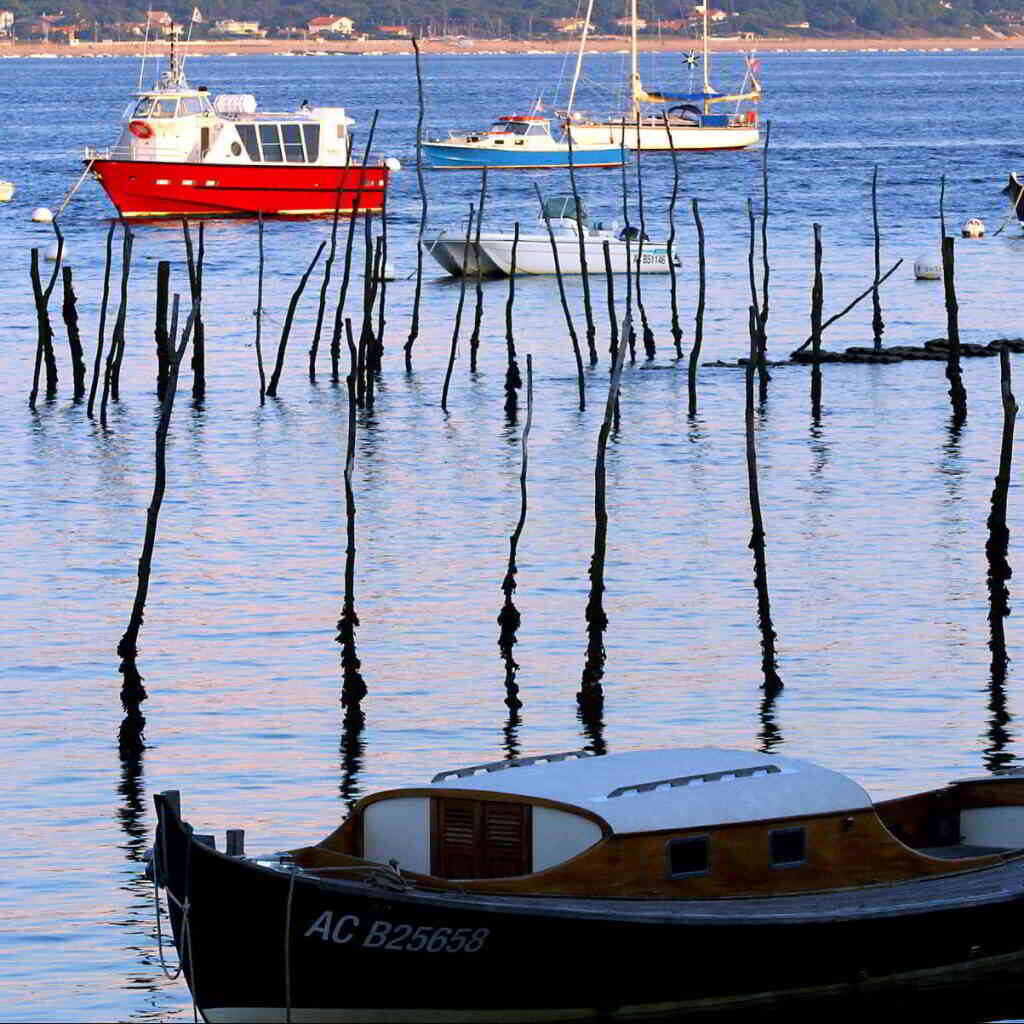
(144, 188)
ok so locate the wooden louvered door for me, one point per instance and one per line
(480, 838)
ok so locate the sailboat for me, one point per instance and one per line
(686, 120)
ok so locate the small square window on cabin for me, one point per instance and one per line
(789, 846)
(690, 856)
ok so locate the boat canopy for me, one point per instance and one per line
(559, 207)
(643, 791)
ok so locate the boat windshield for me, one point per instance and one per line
(153, 106)
(510, 127)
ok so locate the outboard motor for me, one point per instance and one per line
(633, 234)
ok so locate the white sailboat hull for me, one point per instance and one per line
(655, 136)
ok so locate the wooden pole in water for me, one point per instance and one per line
(366, 336)
(877, 323)
(630, 339)
(817, 299)
(259, 318)
(613, 325)
(509, 618)
(513, 380)
(565, 303)
(195, 279)
(98, 362)
(478, 310)
(373, 340)
(44, 344)
(70, 313)
(357, 205)
(458, 310)
(590, 697)
(997, 545)
(957, 391)
(414, 326)
(289, 317)
(381, 286)
(762, 319)
(942, 207)
(698, 331)
(584, 270)
(772, 681)
(677, 333)
(132, 690)
(160, 334)
(649, 347)
(314, 347)
(353, 687)
(115, 356)
(339, 312)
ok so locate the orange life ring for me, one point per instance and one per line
(140, 129)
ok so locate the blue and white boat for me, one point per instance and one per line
(520, 142)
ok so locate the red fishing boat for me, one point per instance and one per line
(182, 152)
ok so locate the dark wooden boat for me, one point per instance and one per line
(568, 886)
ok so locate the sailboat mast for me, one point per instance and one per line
(579, 58)
(707, 51)
(633, 76)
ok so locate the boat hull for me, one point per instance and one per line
(468, 157)
(152, 189)
(654, 136)
(534, 256)
(457, 258)
(270, 944)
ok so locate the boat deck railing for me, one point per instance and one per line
(516, 762)
(690, 780)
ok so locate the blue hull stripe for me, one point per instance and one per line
(441, 156)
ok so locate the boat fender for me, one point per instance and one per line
(140, 129)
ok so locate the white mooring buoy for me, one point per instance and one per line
(928, 268)
(51, 253)
(6, 191)
(393, 163)
(974, 228)
(42, 215)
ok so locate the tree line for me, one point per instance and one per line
(537, 18)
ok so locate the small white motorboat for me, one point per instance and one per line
(6, 191)
(492, 252)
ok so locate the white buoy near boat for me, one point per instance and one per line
(928, 268)
(393, 163)
(973, 228)
(42, 215)
(6, 191)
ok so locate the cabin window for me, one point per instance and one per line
(789, 847)
(480, 838)
(164, 108)
(690, 856)
(190, 105)
(291, 135)
(247, 133)
(536, 129)
(311, 133)
(270, 143)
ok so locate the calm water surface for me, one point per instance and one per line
(875, 516)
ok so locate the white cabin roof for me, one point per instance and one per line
(696, 787)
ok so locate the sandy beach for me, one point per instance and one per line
(605, 44)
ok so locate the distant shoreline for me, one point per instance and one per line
(603, 44)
